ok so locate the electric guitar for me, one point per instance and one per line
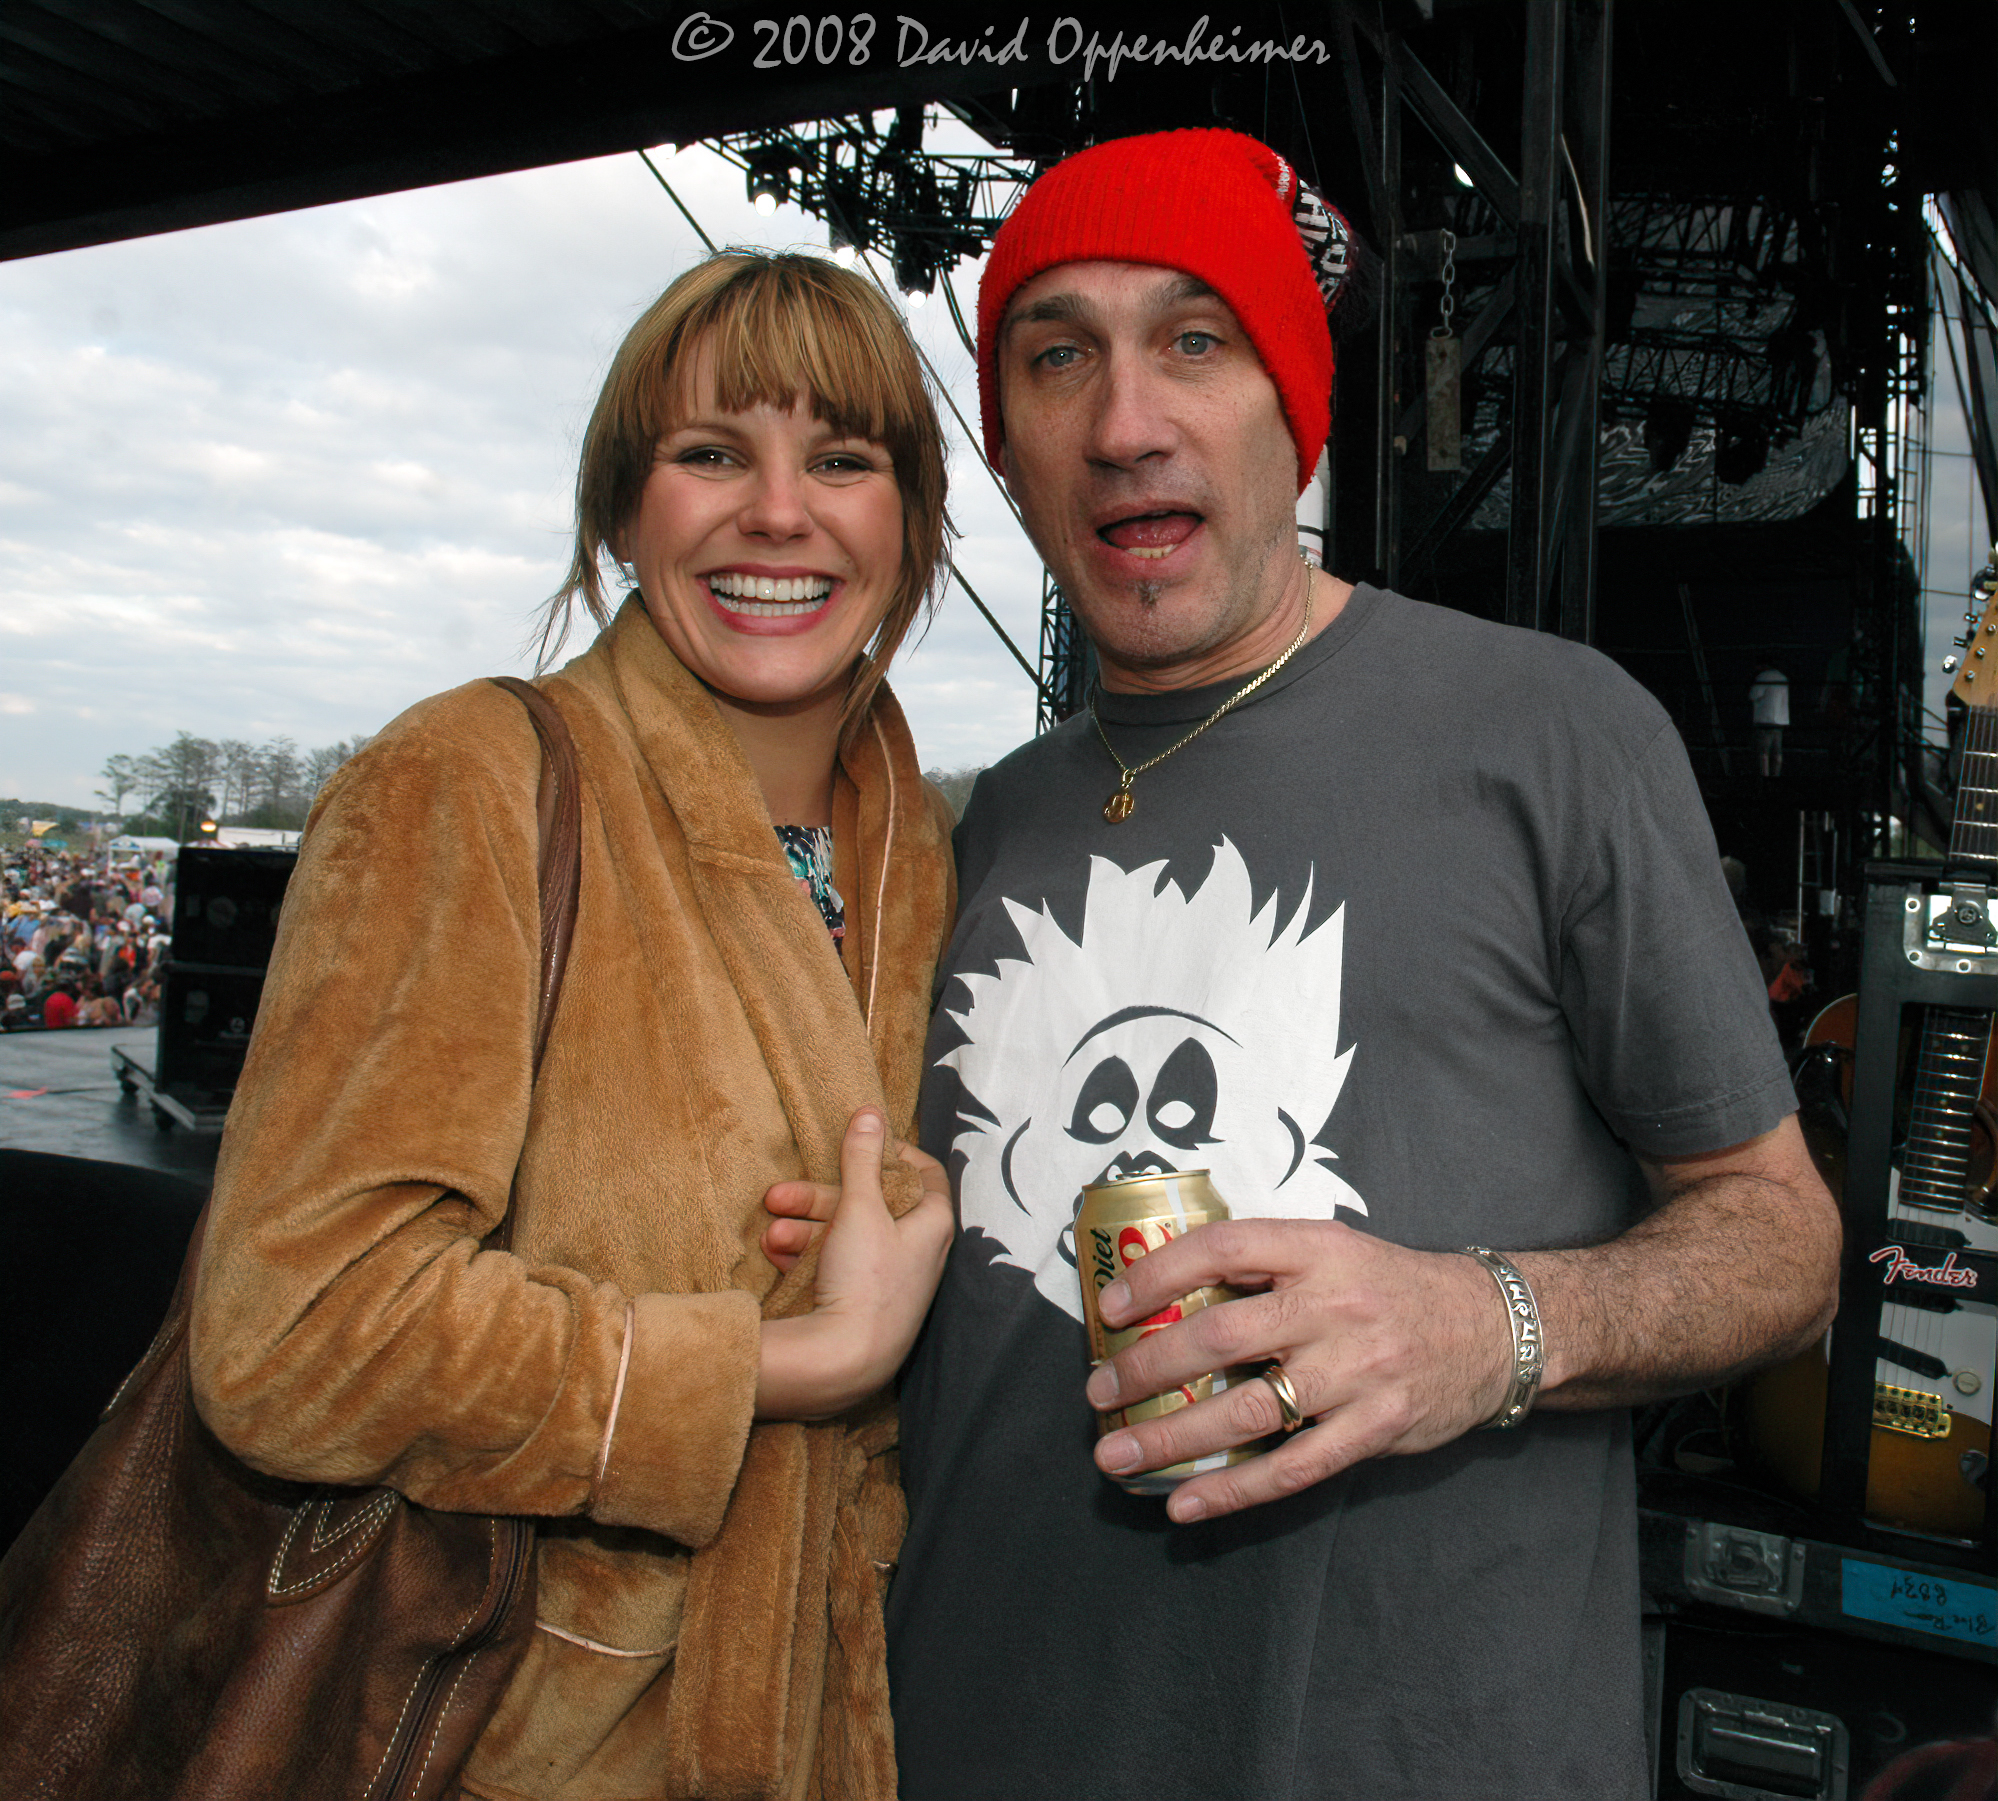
(1931, 1441)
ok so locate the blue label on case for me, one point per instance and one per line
(1943, 1605)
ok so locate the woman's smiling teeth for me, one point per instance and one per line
(770, 597)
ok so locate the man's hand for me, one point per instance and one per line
(1389, 1350)
(1394, 1351)
(875, 1278)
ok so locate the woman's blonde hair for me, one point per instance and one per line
(776, 327)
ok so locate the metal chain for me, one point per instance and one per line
(1130, 775)
(1449, 284)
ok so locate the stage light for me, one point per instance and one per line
(769, 181)
(1463, 175)
(843, 207)
(915, 275)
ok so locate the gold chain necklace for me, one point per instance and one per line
(1120, 805)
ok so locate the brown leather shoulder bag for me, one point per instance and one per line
(173, 1624)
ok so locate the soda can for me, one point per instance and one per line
(1119, 1221)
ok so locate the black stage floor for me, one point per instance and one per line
(58, 1094)
(96, 1203)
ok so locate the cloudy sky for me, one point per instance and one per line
(288, 475)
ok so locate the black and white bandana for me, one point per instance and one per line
(1323, 231)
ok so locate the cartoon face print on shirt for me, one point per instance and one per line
(1180, 1031)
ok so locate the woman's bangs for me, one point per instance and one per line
(769, 347)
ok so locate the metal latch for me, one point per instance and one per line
(1965, 922)
(1747, 1749)
(1950, 929)
(1762, 1572)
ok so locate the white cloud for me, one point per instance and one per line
(291, 474)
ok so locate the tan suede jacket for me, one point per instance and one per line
(709, 1589)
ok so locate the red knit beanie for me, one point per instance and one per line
(1213, 204)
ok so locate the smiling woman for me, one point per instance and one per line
(783, 334)
(768, 547)
(766, 421)
(744, 1009)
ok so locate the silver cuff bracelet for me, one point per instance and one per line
(1529, 1347)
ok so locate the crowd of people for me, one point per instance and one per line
(84, 943)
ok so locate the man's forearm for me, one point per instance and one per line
(1737, 1267)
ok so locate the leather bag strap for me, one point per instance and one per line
(558, 810)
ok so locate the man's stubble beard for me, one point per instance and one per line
(1149, 654)
(1149, 641)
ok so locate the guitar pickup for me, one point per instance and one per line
(1916, 1363)
(1930, 1238)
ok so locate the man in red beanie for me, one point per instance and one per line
(1410, 929)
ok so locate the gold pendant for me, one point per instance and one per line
(1118, 807)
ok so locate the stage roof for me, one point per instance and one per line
(123, 117)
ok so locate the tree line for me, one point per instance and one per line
(176, 786)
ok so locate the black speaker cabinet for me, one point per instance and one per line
(225, 908)
(205, 1020)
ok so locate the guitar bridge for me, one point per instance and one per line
(1911, 1410)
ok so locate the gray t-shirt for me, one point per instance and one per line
(1413, 940)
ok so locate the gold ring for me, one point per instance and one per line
(1280, 1386)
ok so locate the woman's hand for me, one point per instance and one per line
(876, 1275)
(800, 1210)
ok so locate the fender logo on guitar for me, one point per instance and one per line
(1943, 1275)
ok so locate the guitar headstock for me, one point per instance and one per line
(1980, 636)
